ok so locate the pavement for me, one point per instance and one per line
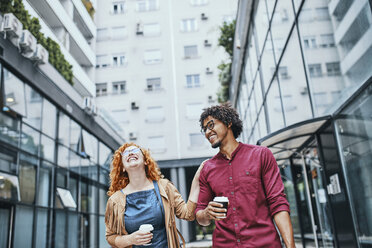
(200, 244)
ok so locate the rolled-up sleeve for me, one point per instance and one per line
(205, 194)
(273, 183)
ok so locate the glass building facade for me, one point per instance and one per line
(54, 163)
(302, 86)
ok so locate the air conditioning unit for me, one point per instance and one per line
(27, 43)
(87, 104)
(139, 29)
(207, 44)
(40, 55)
(208, 71)
(238, 43)
(94, 110)
(204, 17)
(12, 26)
(132, 136)
(210, 99)
(134, 106)
(304, 90)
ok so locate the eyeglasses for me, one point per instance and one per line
(209, 125)
(127, 152)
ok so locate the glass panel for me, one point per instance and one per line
(73, 230)
(103, 197)
(91, 146)
(9, 187)
(63, 156)
(49, 119)
(253, 55)
(281, 25)
(27, 178)
(60, 229)
(9, 129)
(102, 232)
(104, 177)
(45, 172)
(93, 231)
(23, 226)
(293, 85)
(30, 139)
(274, 108)
(262, 122)
(4, 226)
(47, 148)
(64, 129)
(73, 186)
(8, 160)
(75, 131)
(85, 197)
(261, 22)
(258, 91)
(34, 103)
(41, 228)
(14, 93)
(355, 130)
(104, 155)
(267, 65)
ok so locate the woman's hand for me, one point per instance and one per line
(140, 237)
(197, 173)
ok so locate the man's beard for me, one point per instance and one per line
(217, 144)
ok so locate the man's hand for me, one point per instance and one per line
(214, 211)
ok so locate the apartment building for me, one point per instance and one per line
(156, 70)
(303, 89)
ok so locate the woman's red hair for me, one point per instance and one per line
(120, 179)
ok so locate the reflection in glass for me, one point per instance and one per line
(102, 232)
(321, 57)
(355, 130)
(23, 226)
(9, 187)
(293, 86)
(47, 148)
(34, 103)
(104, 155)
(63, 129)
(267, 65)
(103, 197)
(49, 119)
(60, 230)
(4, 227)
(63, 156)
(27, 180)
(261, 22)
(104, 177)
(274, 108)
(73, 229)
(9, 129)
(30, 139)
(8, 160)
(44, 184)
(41, 227)
(14, 93)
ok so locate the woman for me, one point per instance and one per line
(138, 195)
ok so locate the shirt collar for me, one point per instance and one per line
(221, 155)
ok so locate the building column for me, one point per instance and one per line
(182, 188)
(174, 179)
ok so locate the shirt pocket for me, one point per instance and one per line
(249, 183)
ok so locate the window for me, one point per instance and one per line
(101, 89)
(102, 61)
(119, 87)
(151, 29)
(147, 5)
(333, 69)
(193, 81)
(189, 25)
(322, 13)
(196, 139)
(198, 2)
(153, 84)
(118, 7)
(155, 114)
(327, 40)
(156, 144)
(289, 103)
(118, 60)
(310, 42)
(190, 51)
(320, 98)
(283, 72)
(306, 15)
(193, 110)
(103, 34)
(315, 70)
(119, 33)
(152, 57)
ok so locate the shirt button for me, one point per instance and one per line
(238, 240)
(229, 163)
(236, 224)
(247, 173)
(232, 192)
(230, 178)
(234, 209)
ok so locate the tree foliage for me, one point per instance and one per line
(226, 40)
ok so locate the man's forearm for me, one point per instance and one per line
(283, 222)
(202, 218)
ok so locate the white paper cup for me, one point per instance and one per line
(224, 201)
(146, 228)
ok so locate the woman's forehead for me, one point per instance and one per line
(130, 148)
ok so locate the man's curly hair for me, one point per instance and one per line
(226, 114)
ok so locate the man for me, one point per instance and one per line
(249, 176)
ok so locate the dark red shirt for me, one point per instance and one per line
(252, 182)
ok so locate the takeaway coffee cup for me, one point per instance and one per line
(146, 228)
(223, 200)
